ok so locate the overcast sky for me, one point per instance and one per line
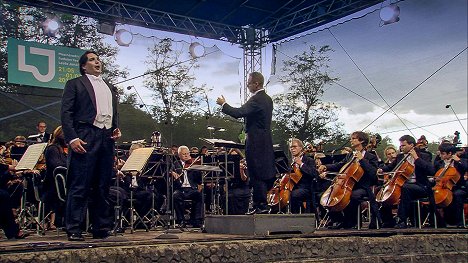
(395, 58)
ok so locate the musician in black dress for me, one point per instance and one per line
(418, 185)
(302, 191)
(362, 188)
(186, 188)
(449, 157)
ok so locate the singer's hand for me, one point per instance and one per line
(220, 100)
(116, 134)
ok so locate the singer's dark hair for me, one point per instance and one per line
(84, 59)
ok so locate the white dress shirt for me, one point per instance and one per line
(103, 102)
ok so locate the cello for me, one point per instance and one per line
(445, 178)
(338, 195)
(391, 191)
(279, 195)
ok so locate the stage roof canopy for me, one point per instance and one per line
(215, 19)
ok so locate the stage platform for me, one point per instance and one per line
(193, 245)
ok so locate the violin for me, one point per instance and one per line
(338, 195)
(445, 178)
(187, 164)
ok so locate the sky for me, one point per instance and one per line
(395, 58)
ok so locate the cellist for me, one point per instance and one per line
(417, 186)
(362, 188)
(302, 191)
(448, 157)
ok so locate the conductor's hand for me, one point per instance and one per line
(220, 100)
(77, 146)
(116, 134)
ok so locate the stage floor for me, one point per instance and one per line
(57, 241)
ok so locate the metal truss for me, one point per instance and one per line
(117, 11)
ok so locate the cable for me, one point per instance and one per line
(368, 80)
(433, 124)
(409, 92)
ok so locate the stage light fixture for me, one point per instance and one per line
(107, 28)
(123, 37)
(51, 25)
(196, 50)
(389, 14)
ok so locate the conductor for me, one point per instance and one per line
(257, 112)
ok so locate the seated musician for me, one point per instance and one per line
(455, 209)
(362, 188)
(186, 188)
(418, 185)
(7, 220)
(302, 191)
(390, 154)
(55, 155)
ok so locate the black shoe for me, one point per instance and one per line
(401, 225)
(20, 235)
(263, 211)
(76, 237)
(460, 226)
(101, 234)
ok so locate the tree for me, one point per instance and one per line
(300, 112)
(75, 32)
(172, 82)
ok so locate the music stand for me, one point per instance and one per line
(227, 145)
(134, 166)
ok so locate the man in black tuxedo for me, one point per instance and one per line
(42, 135)
(89, 121)
(260, 158)
(186, 188)
(362, 188)
(418, 185)
(302, 191)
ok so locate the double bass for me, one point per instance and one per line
(338, 195)
(279, 195)
(445, 178)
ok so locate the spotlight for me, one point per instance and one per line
(51, 25)
(196, 50)
(123, 37)
(447, 106)
(210, 128)
(389, 14)
(107, 28)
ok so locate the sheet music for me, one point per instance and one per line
(137, 160)
(31, 156)
(223, 143)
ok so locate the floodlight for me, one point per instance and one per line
(196, 50)
(389, 14)
(123, 37)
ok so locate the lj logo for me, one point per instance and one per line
(50, 54)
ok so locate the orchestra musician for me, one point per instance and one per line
(362, 188)
(42, 135)
(7, 219)
(55, 156)
(417, 186)
(390, 153)
(260, 157)
(186, 188)
(448, 152)
(302, 191)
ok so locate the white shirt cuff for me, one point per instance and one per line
(73, 140)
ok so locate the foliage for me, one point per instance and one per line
(172, 82)
(300, 112)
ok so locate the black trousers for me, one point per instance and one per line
(7, 221)
(298, 196)
(454, 212)
(88, 179)
(179, 205)
(260, 188)
(411, 192)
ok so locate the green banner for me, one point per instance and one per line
(41, 65)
